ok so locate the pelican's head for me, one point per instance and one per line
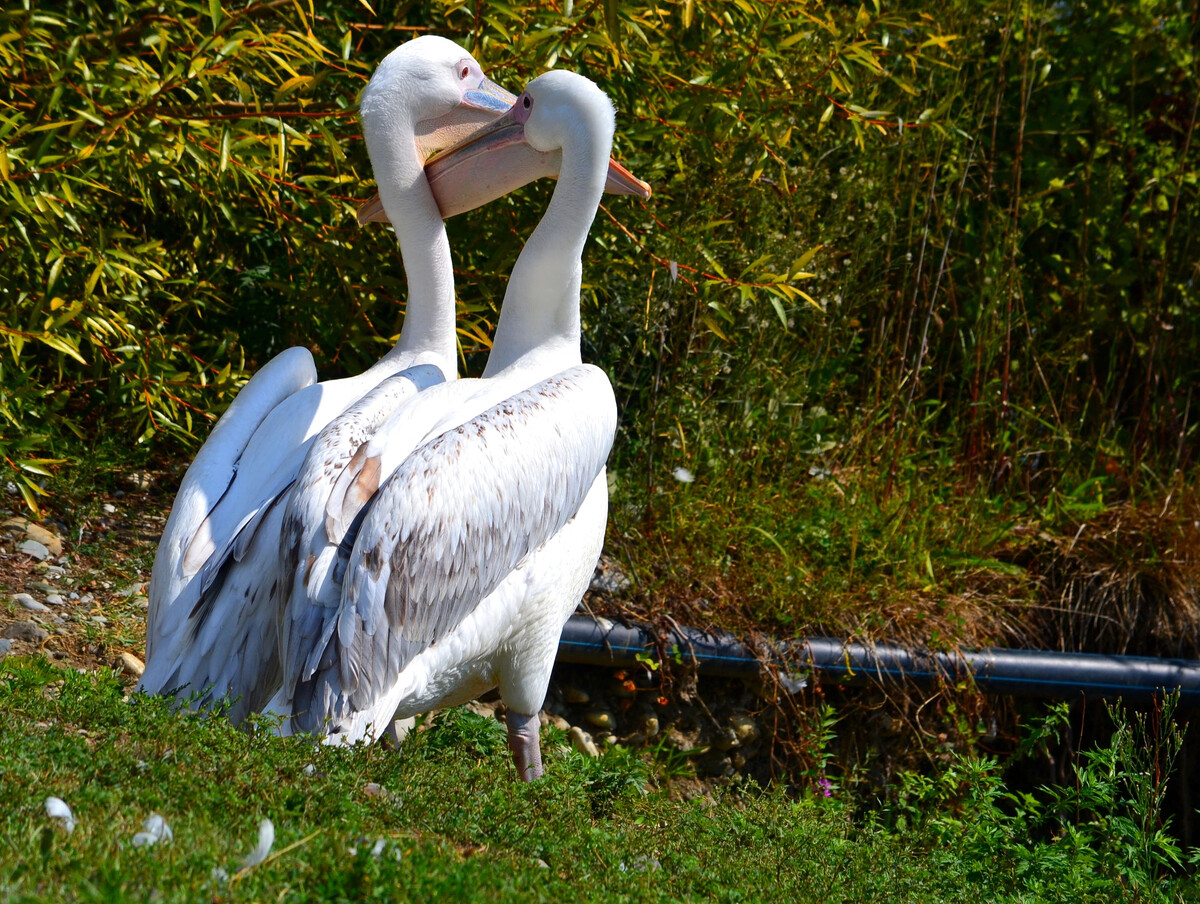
(425, 96)
(526, 143)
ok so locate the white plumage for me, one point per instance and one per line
(462, 534)
(211, 630)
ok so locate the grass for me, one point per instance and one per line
(444, 819)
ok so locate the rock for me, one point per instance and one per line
(374, 789)
(131, 665)
(48, 540)
(601, 719)
(24, 599)
(138, 480)
(5, 646)
(136, 590)
(744, 727)
(725, 740)
(33, 549)
(582, 741)
(487, 710)
(54, 599)
(41, 586)
(576, 694)
(714, 764)
(26, 630)
(98, 620)
(108, 508)
(609, 578)
(650, 726)
(560, 723)
(677, 740)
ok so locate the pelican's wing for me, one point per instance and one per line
(450, 524)
(208, 480)
(228, 646)
(309, 541)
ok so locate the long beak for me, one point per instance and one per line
(480, 106)
(497, 160)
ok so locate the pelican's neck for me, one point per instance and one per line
(428, 333)
(539, 318)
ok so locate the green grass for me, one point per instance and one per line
(455, 825)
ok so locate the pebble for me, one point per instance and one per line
(601, 719)
(650, 726)
(86, 598)
(576, 694)
(609, 578)
(745, 728)
(109, 508)
(131, 665)
(34, 549)
(55, 600)
(26, 630)
(138, 480)
(725, 740)
(5, 646)
(24, 599)
(98, 620)
(41, 586)
(373, 789)
(677, 740)
(582, 741)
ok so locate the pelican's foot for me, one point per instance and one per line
(525, 744)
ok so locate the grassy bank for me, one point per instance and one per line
(443, 819)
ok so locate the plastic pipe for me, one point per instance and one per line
(1022, 673)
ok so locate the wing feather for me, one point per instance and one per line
(449, 526)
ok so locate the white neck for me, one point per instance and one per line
(428, 334)
(539, 319)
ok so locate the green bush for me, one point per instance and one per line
(902, 260)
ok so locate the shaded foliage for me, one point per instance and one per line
(903, 261)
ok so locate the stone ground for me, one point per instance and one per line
(75, 591)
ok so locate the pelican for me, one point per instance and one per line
(209, 628)
(460, 536)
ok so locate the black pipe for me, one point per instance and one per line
(1023, 673)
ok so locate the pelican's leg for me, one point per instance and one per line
(395, 734)
(525, 745)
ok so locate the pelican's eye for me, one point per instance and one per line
(526, 102)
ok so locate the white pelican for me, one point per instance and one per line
(210, 629)
(459, 538)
